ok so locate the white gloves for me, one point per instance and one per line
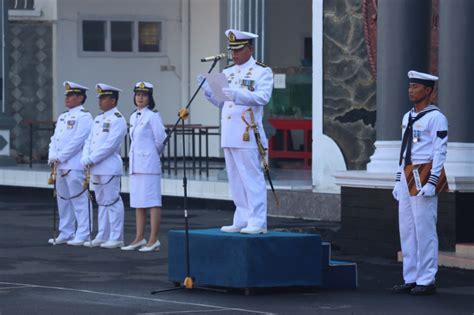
(428, 190)
(205, 86)
(396, 190)
(85, 161)
(52, 158)
(229, 93)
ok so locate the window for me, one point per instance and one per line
(21, 5)
(93, 35)
(149, 36)
(120, 37)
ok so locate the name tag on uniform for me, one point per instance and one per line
(106, 127)
(416, 177)
(70, 124)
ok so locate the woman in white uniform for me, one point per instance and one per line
(147, 134)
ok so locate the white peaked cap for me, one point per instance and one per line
(421, 76)
(143, 84)
(238, 39)
(105, 89)
(72, 87)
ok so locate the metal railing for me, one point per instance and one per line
(34, 126)
(191, 132)
(197, 138)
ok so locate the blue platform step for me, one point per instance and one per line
(274, 259)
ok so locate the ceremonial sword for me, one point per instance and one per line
(261, 149)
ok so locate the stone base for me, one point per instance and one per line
(370, 221)
(305, 204)
(7, 161)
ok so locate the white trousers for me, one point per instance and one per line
(72, 211)
(111, 209)
(417, 218)
(247, 187)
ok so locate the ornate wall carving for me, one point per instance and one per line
(349, 87)
(30, 75)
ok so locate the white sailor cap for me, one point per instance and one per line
(103, 89)
(238, 39)
(143, 86)
(422, 78)
(72, 87)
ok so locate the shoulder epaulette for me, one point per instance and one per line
(64, 112)
(118, 114)
(155, 110)
(261, 64)
(84, 110)
(100, 114)
(229, 66)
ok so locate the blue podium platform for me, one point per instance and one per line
(274, 259)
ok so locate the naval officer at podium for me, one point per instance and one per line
(250, 89)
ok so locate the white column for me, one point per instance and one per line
(327, 157)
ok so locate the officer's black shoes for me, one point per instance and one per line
(423, 290)
(403, 288)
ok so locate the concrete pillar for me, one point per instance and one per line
(456, 68)
(403, 44)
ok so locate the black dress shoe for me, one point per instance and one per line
(403, 288)
(423, 290)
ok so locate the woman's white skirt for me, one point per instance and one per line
(145, 190)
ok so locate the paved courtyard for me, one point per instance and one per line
(37, 278)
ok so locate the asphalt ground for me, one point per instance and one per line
(38, 278)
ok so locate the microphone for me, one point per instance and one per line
(213, 58)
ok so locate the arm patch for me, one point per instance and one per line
(442, 134)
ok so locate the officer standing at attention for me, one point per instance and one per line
(425, 141)
(102, 154)
(147, 134)
(250, 88)
(65, 149)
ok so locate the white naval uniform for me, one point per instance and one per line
(147, 134)
(247, 186)
(72, 129)
(418, 214)
(102, 148)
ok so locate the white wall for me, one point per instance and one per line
(122, 72)
(205, 38)
(195, 30)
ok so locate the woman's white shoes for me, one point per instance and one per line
(134, 246)
(154, 247)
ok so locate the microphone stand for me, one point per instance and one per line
(188, 282)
